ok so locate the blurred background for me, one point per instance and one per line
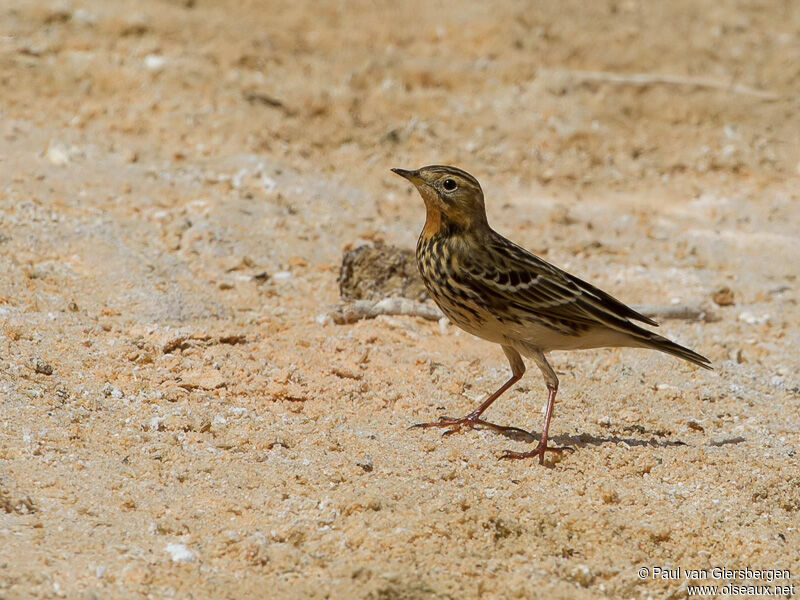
(178, 181)
(683, 89)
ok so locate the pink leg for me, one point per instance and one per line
(542, 446)
(551, 380)
(473, 419)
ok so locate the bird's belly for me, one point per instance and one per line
(545, 339)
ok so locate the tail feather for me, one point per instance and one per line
(657, 342)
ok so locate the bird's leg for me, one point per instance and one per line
(473, 419)
(552, 387)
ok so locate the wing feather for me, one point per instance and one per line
(529, 284)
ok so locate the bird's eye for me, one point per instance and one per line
(449, 185)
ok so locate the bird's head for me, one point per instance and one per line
(452, 196)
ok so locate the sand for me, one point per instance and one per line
(180, 415)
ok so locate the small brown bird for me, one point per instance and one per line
(498, 291)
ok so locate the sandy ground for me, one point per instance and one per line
(178, 181)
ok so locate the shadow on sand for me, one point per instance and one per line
(582, 440)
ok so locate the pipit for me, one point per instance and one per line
(498, 291)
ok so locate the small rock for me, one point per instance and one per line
(365, 462)
(609, 495)
(267, 183)
(237, 263)
(57, 154)
(582, 575)
(560, 215)
(154, 62)
(179, 553)
(111, 391)
(40, 366)
(443, 323)
(59, 12)
(660, 533)
(723, 296)
(752, 319)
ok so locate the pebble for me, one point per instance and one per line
(57, 153)
(443, 323)
(42, 367)
(752, 319)
(365, 462)
(179, 553)
(324, 319)
(154, 62)
(268, 183)
(723, 296)
(582, 575)
(112, 391)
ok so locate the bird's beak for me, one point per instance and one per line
(412, 176)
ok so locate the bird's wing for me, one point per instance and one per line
(527, 284)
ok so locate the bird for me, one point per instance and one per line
(498, 291)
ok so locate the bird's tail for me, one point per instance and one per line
(648, 339)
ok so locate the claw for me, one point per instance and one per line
(469, 422)
(538, 451)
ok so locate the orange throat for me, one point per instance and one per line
(433, 221)
(433, 214)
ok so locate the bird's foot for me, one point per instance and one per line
(468, 422)
(539, 451)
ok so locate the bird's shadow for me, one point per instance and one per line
(585, 439)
